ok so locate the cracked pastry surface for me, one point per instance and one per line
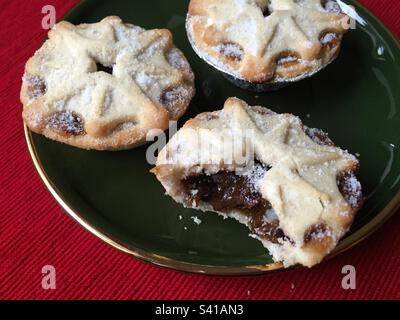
(263, 41)
(289, 184)
(105, 85)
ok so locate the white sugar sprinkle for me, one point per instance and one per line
(144, 80)
(230, 50)
(255, 175)
(176, 59)
(196, 220)
(329, 37)
(332, 6)
(287, 59)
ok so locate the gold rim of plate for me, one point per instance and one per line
(162, 261)
(169, 263)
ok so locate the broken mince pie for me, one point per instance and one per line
(289, 184)
(264, 44)
(105, 85)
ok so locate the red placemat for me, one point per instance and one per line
(35, 231)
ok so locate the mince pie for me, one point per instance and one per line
(289, 184)
(262, 44)
(105, 85)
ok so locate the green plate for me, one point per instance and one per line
(356, 100)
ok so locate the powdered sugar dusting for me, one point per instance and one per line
(36, 86)
(241, 3)
(67, 122)
(125, 126)
(287, 59)
(261, 37)
(174, 97)
(246, 30)
(328, 38)
(87, 96)
(318, 136)
(351, 189)
(176, 59)
(231, 50)
(145, 81)
(151, 50)
(256, 175)
(332, 6)
(319, 232)
(59, 105)
(107, 101)
(128, 35)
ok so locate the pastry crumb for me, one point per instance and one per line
(196, 220)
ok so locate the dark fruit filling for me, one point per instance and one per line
(232, 51)
(317, 232)
(319, 137)
(173, 99)
(36, 86)
(66, 122)
(226, 191)
(351, 189)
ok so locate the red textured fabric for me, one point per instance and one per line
(35, 231)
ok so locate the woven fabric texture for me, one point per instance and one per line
(35, 231)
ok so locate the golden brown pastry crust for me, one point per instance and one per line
(301, 182)
(67, 98)
(297, 38)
